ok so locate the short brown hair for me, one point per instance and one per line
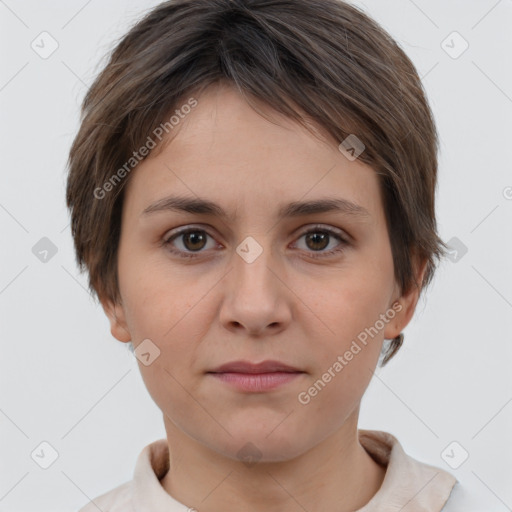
(322, 59)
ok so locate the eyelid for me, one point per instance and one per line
(298, 232)
(185, 229)
(343, 237)
(169, 237)
(344, 240)
(324, 227)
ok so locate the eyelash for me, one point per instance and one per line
(316, 229)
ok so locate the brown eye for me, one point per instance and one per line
(317, 240)
(188, 243)
(194, 240)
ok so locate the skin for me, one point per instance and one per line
(286, 305)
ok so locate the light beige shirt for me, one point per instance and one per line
(408, 486)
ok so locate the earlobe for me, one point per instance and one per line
(116, 316)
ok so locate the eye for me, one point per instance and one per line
(319, 238)
(191, 242)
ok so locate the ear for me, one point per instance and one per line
(116, 316)
(405, 304)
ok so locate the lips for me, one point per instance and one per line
(247, 377)
(255, 368)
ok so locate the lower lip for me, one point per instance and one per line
(256, 382)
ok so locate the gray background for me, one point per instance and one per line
(65, 380)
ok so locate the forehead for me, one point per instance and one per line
(227, 152)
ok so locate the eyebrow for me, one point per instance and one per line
(294, 209)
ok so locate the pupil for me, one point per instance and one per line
(195, 237)
(315, 238)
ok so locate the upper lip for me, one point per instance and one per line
(248, 367)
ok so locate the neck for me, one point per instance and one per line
(336, 475)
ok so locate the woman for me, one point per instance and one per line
(252, 194)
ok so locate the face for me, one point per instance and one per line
(264, 282)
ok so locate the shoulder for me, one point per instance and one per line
(404, 476)
(118, 499)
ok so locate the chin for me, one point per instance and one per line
(254, 445)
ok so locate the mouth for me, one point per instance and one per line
(255, 377)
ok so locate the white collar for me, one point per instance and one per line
(408, 485)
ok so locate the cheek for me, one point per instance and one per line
(347, 323)
(155, 298)
(368, 285)
(167, 318)
(351, 301)
(337, 386)
(172, 312)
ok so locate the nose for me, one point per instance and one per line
(257, 300)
